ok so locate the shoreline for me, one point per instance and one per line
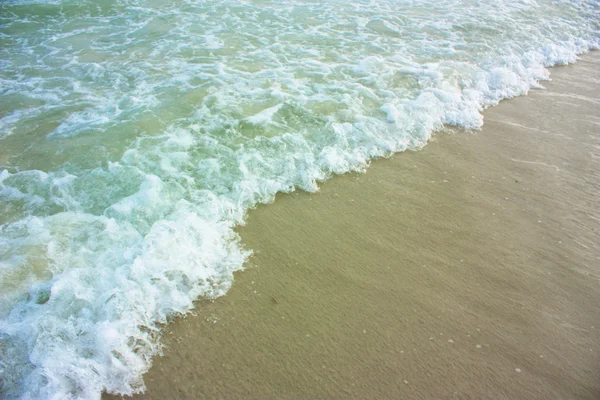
(467, 269)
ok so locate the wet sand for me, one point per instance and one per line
(467, 270)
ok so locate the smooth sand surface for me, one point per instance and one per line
(467, 270)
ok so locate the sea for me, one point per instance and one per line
(135, 135)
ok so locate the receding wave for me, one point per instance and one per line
(134, 137)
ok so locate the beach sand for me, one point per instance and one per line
(467, 270)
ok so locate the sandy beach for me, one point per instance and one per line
(467, 270)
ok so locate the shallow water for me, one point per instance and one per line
(135, 135)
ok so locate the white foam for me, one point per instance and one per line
(265, 116)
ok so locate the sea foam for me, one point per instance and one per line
(136, 136)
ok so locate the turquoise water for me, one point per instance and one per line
(135, 135)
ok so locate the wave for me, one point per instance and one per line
(135, 139)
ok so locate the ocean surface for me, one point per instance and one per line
(136, 134)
